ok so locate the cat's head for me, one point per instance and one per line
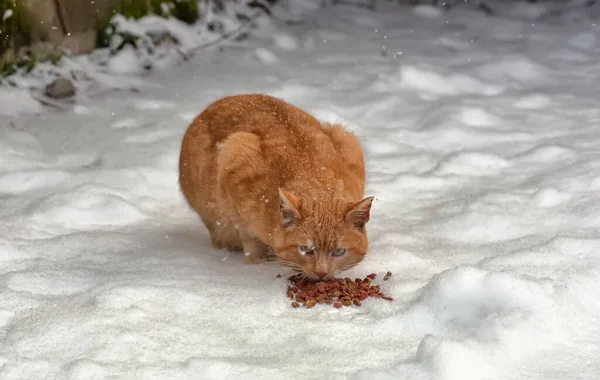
(323, 236)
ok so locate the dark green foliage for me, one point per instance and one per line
(106, 30)
(13, 30)
(26, 62)
(135, 8)
(184, 10)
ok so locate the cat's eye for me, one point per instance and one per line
(304, 250)
(338, 252)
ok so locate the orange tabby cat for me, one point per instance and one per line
(269, 179)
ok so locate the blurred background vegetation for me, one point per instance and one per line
(33, 30)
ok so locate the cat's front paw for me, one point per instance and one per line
(256, 258)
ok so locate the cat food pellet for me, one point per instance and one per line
(338, 292)
(279, 276)
(295, 305)
(387, 276)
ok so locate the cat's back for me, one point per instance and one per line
(263, 115)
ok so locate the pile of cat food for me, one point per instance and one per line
(338, 292)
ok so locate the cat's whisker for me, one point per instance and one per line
(350, 266)
(292, 266)
(289, 264)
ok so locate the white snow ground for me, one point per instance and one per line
(483, 151)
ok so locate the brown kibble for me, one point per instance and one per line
(387, 276)
(278, 276)
(295, 305)
(338, 291)
(322, 297)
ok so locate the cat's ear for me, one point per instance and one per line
(360, 213)
(289, 206)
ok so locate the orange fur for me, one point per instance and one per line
(268, 178)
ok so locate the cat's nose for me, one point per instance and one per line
(321, 274)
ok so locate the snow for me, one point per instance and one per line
(7, 14)
(266, 56)
(481, 143)
(125, 62)
(14, 102)
(285, 41)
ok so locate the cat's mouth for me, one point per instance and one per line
(315, 277)
(297, 268)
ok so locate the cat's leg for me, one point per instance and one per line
(255, 251)
(242, 174)
(224, 235)
(197, 180)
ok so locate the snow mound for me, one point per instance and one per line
(533, 101)
(429, 81)
(472, 302)
(16, 102)
(550, 197)
(285, 41)
(52, 283)
(472, 163)
(428, 11)
(547, 153)
(518, 69)
(477, 117)
(87, 207)
(584, 40)
(265, 56)
(24, 181)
